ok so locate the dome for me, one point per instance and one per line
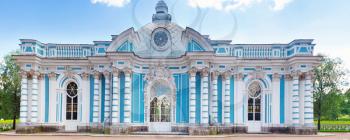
(161, 14)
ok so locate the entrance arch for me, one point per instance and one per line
(254, 93)
(160, 106)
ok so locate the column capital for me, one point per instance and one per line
(41, 76)
(24, 74)
(214, 75)
(309, 75)
(97, 74)
(34, 73)
(204, 72)
(192, 71)
(226, 75)
(116, 72)
(289, 77)
(85, 75)
(296, 74)
(127, 71)
(239, 76)
(276, 76)
(106, 73)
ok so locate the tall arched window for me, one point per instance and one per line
(254, 102)
(160, 110)
(72, 101)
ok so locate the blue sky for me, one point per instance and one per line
(243, 21)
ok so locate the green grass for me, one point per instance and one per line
(6, 125)
(334, 126)
(334, 122)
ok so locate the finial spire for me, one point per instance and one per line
(161, 13)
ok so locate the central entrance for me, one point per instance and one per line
(254, 107)
(160, 107)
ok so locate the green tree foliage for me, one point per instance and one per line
(10, 89)
(346, 103)
(328, 78)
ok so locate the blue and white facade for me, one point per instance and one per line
(162, 77)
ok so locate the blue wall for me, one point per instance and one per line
(282, 95)
(103, 94)
(47, 97)
(232, 99)
(91, 97)
(219, 99)
(198, 98)
(122, 96)
(137, 106)
(182, 97)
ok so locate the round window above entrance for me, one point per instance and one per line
(72, 89)
(254, 90)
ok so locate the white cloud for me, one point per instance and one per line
(116, 3)
(229, 5)
(280, 4)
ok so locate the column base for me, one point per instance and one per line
(290, 130)
(216, 130)
(25, 128)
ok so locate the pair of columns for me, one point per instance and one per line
(204, 108)
(302, 80)
(116, 96)
(29, 101)
(225, 97)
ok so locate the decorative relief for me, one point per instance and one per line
(85, 75)
(158, 72)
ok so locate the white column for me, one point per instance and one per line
(214, 99)
(85, 93)
(23, 115)
(239, 98)
(96, 107)
(226, 99)
(107, 97)
(41, 98)
(205, 98)
(295, 100)
(127, 106)
(308, 102)
(115, 97)
(275, 99)
(192, 97)
(34, 98)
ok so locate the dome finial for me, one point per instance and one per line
(161, 12)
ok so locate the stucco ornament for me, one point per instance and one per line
(158, 72)
(254, 90)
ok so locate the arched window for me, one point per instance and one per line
(72, 101)
(254, 102)
(160, 110)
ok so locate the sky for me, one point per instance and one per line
(243, 21)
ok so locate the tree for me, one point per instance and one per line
(328, 77)
(346, 103)
(10, 89)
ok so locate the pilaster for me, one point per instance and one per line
(127, 107)
(96, 105)
(107, 97)
(226, 98)
(308, 101)
(239, 98)
(23, 115)
(192, 97)
(214, 97)
(115, 96)
(205, 97)
(276, 98)
(295, 99)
